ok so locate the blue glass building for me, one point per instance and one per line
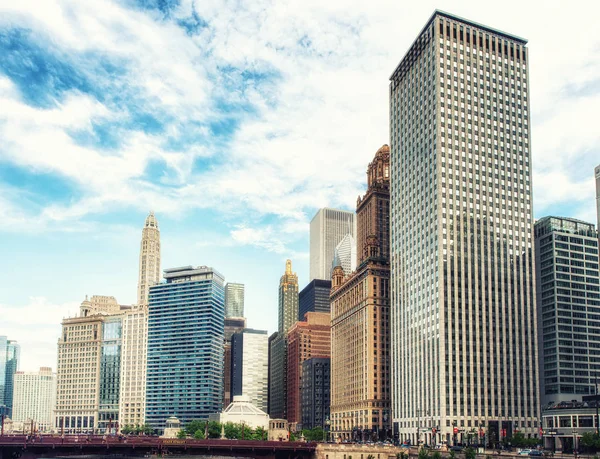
(110, 374)
(9, 361)
(186, 316)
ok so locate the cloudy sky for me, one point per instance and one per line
(234, 121)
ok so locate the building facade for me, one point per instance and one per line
(234, 300)
(464, 349)
(232, 325)
(597, 176)
(360, 316)
(149, 271)
(110, 374)
(344, 255)
(327, 228)
(10, 352)
(86, 373)
(34, 398)
(185, 346)
(250, 366)
(568, 286)
(316, 393)
(314, 297)
(306, 339)
(287, 314)
(277, 390)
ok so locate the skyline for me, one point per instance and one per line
(75, 94)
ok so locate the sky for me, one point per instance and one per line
(234, 121)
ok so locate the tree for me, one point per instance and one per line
(194, 426)
(423, 453)
(315, 434)
(214, 429)
(590, 441)
(181, 434)
(436, 455)
(470, 453)
(126, 429)
(260, 433)
(199, 434)
(232, 431)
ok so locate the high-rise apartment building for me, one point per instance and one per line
(234, 300)
(464, 328)
(132, 395)
(185, 346)
(287, 312)
(9, 363)
(250, 366)
(314, 297)
(568, 302)
(360, 311)
(597, 175)
(306, 339)
(34, 398)
(232, 325)
(149, 273)
(327, 228)
(87, 375)
(316, 392)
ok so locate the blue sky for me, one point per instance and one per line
(233, 121)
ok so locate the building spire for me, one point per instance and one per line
(149, 273)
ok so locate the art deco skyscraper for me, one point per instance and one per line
(327, 228)
(288, 313)
(464, 328)
(149, 258)
(360, 303)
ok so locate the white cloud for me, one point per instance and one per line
(36, 327)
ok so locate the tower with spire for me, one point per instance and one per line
(149, 258)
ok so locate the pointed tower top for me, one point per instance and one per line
(288, 266)
(151, 221)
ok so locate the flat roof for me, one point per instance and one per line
(460, 19)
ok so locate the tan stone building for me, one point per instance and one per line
(83, 354)
(310, 338)
(360, 337)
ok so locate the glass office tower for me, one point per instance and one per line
(9, 363)
(185, 346)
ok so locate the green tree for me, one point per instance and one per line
(423, 454)
(181, 434)
(214, 429)
(146, 429)
(199, 434)
(260, 434)
(194, 426)
(590, 441)
(232, 431)
(436, 455)
(126, 429)
(452, 454)
(470, 453)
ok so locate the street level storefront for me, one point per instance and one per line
(564, 423)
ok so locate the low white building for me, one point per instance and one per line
(34, 399)
(242, 411)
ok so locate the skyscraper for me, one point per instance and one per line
(288, 313)
(87, 375)
(234, 300)
(34, 398)
(360, 301)
(327, 228)
(185, 346)
(149, 273)
(568, 286)
(344, 255)
(464, 328)
(132, 396)
(316, 390)
(597, 173)
(9, 363)
(249, 366)
(232, 325)
(306, 339)
(314, 297)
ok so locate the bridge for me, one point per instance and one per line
(21, 446)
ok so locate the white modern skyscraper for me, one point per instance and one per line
(344, 255)
(327, 228)
(34, 398)
(250, 366)
(463, 316)
(234, 300)
(149, 259)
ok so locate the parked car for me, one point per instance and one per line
(535, 452)
(456, 448)
(524, 452)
